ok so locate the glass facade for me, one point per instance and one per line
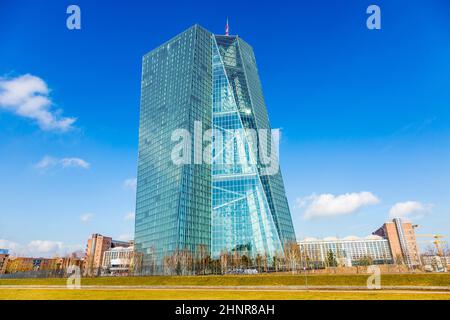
(173, 203)
(227, 204)
(240, 65)
(241, 217)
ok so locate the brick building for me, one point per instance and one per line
(402, 241)
(97, 245)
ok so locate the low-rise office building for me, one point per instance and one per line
(118, 260)
(27, 264)
(66, 262)
(435, 263)
(349, 251)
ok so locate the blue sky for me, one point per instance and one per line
(365, 114)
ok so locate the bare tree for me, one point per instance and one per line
(258, 261)
(292, 255)
(185, 261)
(245, 261)
(266, 261)
(167, 264)
(202, 259)
(446, 250)
(136, 262)
(224, 261)
(235, 259)
(277, 261)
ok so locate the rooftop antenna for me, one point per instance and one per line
(227, 29)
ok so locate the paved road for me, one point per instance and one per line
(390, 289)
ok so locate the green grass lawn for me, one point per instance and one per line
(52, 294)
(249, 280)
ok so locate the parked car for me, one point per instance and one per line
(241, 271)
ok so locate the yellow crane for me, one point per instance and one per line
(437, 242)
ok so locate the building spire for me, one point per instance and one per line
(227, 29)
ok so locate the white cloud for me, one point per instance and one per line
(44, 246)
(46, 162)
(74, 162)
(39, 248)
(28, 96)
(130, 183)
(10, 245)
(329, 205)
(49, 162)
(129, 216)
(410, 209)
(86, 217)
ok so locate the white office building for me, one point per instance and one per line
(118, 260)
(348, 251)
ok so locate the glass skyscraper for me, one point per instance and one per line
(225, 198)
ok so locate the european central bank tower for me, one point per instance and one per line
(197, 82)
